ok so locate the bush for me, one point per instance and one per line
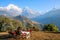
(50, 27)
(34, 28)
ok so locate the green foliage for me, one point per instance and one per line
(35, 28)
(7, 24)
(32, 26)
(50, 27)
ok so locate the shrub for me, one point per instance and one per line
(50, 27)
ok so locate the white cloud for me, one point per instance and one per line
(11, 10)
(11, 6)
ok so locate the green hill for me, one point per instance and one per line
(7, 23)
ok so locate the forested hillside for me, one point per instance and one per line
(7, 23)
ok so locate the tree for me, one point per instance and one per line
(50, 27)
(2, 26)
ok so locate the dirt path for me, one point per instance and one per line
(3, 33)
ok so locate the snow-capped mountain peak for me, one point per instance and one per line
(29, 13)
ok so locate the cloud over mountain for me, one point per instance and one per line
(11, 10)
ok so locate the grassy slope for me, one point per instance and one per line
(44, 36)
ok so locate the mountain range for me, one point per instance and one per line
(52, 16)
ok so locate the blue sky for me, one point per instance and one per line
(38, 5)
